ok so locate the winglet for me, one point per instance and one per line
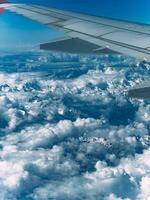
(3, 1)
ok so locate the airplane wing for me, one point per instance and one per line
(88, 34)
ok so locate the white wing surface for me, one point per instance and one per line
(89, 34)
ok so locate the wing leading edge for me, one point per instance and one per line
(89, 34)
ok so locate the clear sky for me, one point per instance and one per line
(20, 33)
(132, 10)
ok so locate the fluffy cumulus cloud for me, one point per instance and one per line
(68, 130)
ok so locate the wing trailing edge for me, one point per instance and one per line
(75, 45)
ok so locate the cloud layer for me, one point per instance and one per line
(68, 130)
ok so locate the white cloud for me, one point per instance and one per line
(47, 107)
(11, 174)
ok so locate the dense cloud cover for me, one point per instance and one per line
(68, 130)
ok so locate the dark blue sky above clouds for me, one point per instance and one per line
(132, 10)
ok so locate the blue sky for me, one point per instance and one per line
(132, 10)
(21, 30)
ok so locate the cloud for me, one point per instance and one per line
(68, 130)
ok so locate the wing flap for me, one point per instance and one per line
(130, 38)
(90, 28)
(75, 45)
